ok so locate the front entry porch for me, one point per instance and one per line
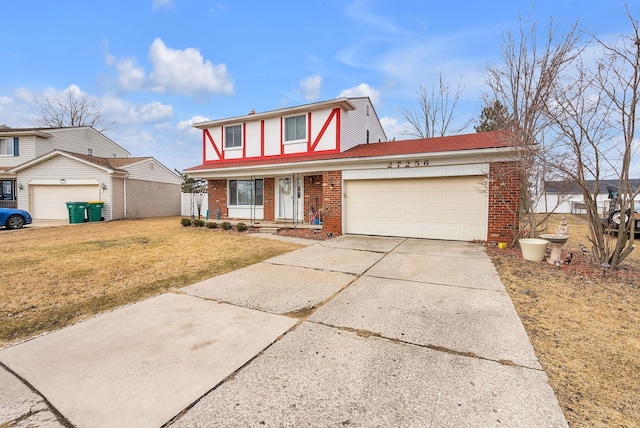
(310, 200)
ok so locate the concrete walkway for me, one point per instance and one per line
(354, 331)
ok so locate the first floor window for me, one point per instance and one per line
(233, 136)
(246, 192)
(6, 190)
(295, 128)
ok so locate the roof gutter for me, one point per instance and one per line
(494, 154)
(344, 103)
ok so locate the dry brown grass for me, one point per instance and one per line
(585, 329)
(56, 276)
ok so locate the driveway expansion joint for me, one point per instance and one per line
(366, 334)
(417, 281)
(49, 407)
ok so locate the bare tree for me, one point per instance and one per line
(594, 116)
(73, 108)
(532, 67)
(434, 114)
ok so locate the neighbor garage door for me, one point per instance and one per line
(453, 208)
(50, 202)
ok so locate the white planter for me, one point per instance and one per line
(533, 248)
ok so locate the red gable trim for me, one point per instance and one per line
(207, 136)
(324, 128)
(262, 138)
(244, 140)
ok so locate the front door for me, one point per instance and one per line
(289, 198)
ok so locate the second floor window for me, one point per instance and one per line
(6, 147)
(295, 128)
(233, 136)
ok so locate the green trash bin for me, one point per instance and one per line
(94, 210)
(76, 211)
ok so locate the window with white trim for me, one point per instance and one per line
(246, 192)
(90, 151)
(295, 128)
(233, 136)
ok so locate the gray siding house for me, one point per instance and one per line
(45, 168)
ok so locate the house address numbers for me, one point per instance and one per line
(407, 164)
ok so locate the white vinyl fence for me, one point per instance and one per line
(185, 209)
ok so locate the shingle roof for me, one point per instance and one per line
(571, 187)
(111, 163)
(480, 140)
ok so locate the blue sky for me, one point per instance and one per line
(156, 66)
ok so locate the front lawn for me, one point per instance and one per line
(584, 325)
(53, 277)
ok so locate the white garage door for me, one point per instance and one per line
(50, 202)
(453, 208)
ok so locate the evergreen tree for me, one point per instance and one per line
(494, 117)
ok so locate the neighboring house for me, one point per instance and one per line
(52, 166)
(564, 197)
(331, 157)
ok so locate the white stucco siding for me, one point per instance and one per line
(253, 139)
(328, 140)
(211, 142)
(272, 136)
(151, 170)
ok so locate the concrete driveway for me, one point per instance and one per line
(356, 331)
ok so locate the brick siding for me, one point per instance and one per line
(312, 194)
(504, 201)
(218, 198)
(332, 201)
(152, 199)
(269, 202)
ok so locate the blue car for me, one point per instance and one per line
(14, 219)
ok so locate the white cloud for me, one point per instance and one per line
(187, 124)
(311, 87)
(218, 7)
(186, 72)
(125, 112)
(162, 4)
(395, 130)
(362, 90)
(5, 100)
(131, 77)
(173, 71)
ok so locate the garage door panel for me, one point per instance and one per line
(436, 208)
(50, 202)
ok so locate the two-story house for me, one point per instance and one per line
(41, 169)
(328, 163)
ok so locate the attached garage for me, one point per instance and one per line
(451, 208)
(49, 201)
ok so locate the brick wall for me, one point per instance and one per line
(152, 199)
(332, 199)
(504, 201)
(312, 194)
(218, 198)
(269, 195)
